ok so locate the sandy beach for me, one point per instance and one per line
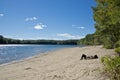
(64, 64)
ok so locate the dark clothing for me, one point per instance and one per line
(83, 56)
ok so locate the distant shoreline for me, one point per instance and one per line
(4, 40)
(64, 64)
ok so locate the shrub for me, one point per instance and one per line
(117, 44)
(117, 50)
(112, 67)
(108, 44)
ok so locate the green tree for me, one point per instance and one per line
(107, 18)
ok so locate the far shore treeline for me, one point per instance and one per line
(4, 40)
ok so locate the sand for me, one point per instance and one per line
(64, 64)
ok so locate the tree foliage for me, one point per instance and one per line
(107, 23)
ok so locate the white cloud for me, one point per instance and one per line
(34, 18)
(69, 36)
(1, 14)
(78, 27)
(31, 19)
(73, 25)
(65, 35)
(40, 26)
(81, 27)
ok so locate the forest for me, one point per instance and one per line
(106, 15)
(4, 40)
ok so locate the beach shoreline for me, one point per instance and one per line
(63, 64)
(31, 57)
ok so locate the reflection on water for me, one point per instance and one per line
(9, 53)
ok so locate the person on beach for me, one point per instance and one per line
(88, 57)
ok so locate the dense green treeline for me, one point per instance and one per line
(107, 24)
(4, 40)
(91, 39)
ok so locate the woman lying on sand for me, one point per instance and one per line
(88, 57)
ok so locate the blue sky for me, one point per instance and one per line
(46, 19)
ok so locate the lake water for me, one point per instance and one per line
(9, 53)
